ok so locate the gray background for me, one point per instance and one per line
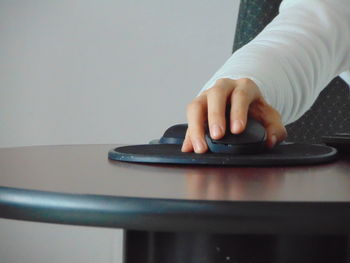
(78, 72)
(105, 71)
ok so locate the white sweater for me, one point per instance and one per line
(296, 55)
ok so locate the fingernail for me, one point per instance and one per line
(216, 130)
(237, 125)
(273, 140)
(199, 146)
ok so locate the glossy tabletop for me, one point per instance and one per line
(78, 184)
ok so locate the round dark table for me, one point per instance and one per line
(184, 213)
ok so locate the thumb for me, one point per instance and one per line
(276, 133)
(272, 121)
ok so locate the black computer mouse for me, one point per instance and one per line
(251, 140)
(174, 135)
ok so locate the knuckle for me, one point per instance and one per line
(237, 111)
(204, 93)
(225, 82)
(214, 113)
(236, 107)
(193, 105)
(242, 93)
(196, 134)
(221, 81)
(191, 132)
(215, 117)
(244, 81)
(215, 89)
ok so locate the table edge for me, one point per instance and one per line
(136, 213)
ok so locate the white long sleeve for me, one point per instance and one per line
(296, 55)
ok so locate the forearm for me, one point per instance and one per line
(296, 55)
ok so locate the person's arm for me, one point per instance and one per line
(296, 55)
(277, 76)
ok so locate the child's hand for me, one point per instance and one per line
(245, 97)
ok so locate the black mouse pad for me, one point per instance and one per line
(341, 141)
(283, 154)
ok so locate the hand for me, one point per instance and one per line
(245, 98)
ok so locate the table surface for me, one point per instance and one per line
(36, 181)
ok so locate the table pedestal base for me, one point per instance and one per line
(180, 247)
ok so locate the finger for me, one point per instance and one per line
(217, 97)
(276, 132)
(196, 116)
(241, 99)
(187, 145)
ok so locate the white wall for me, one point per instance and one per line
(122, 71)
(75, 72)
